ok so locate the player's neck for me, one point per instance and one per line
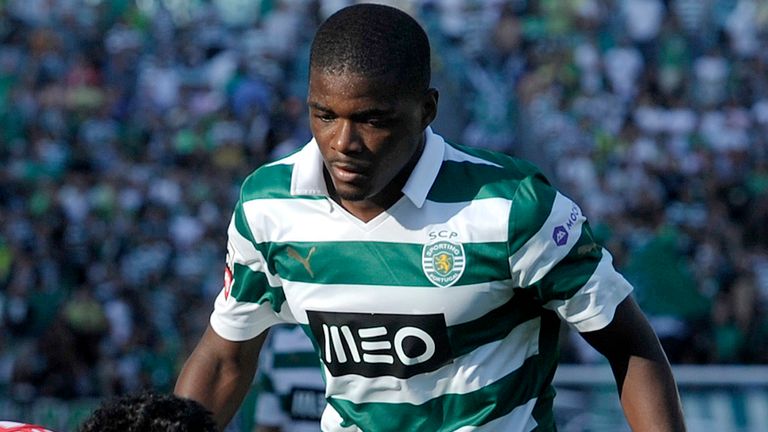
(365, 210)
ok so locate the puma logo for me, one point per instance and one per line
(304, 261)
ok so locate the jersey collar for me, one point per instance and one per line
(307, 176)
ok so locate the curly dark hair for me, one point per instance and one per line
(150, 412)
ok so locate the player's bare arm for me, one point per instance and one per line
(644, 379)
(219, 373)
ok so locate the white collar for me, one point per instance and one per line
(307, 177)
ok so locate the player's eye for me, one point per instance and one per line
(380, 122)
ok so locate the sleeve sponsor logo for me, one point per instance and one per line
(560, 233)
(375, 345)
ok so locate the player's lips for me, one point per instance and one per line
(348, 172)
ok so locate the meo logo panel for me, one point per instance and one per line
(374, 345)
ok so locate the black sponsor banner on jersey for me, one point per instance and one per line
(374, 345)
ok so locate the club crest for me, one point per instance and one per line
(443, 262)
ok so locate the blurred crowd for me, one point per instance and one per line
(127, 126)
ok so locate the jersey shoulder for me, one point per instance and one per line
(271, 180)
(514, 166)
(471, 173)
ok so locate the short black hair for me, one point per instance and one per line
(150, 412)
(374, 41)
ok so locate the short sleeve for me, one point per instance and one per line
(252, 298)
(553, 252)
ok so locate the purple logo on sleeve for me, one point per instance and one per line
(560, 235)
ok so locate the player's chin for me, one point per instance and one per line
(354, 189)
(351, 193)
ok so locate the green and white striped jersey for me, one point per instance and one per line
(440, 314)
(291, 389)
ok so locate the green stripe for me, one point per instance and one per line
(573, 271)
(253, 287)
(452, 411)
(265, 383)
(241, 225)
(543, 413)
(295, 360)
(466, 181)
(522, 168)
(531, 206)
(270, 182)
(380, 263)
(477, 182)
(467, 337)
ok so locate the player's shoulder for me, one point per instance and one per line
(484, 159)
(271, 180)
(469, 174)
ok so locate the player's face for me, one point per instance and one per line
(369, 134)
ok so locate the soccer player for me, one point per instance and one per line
(291, 395)
(432, 277)
(149, 411)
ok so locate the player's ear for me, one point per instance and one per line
(429, 106)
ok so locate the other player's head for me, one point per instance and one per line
(150, 412)
(11, 426)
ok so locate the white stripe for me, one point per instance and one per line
(244, 253)
(593, 306)
(239, 321)
(331, 421)
(696, 411)
(540, 253)
(473, 371)
(313, 220)
(289, 340)
(268, 410)
(284, 379)
(722, 416)
(757, 410)
(519, 419)
(459, 304)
